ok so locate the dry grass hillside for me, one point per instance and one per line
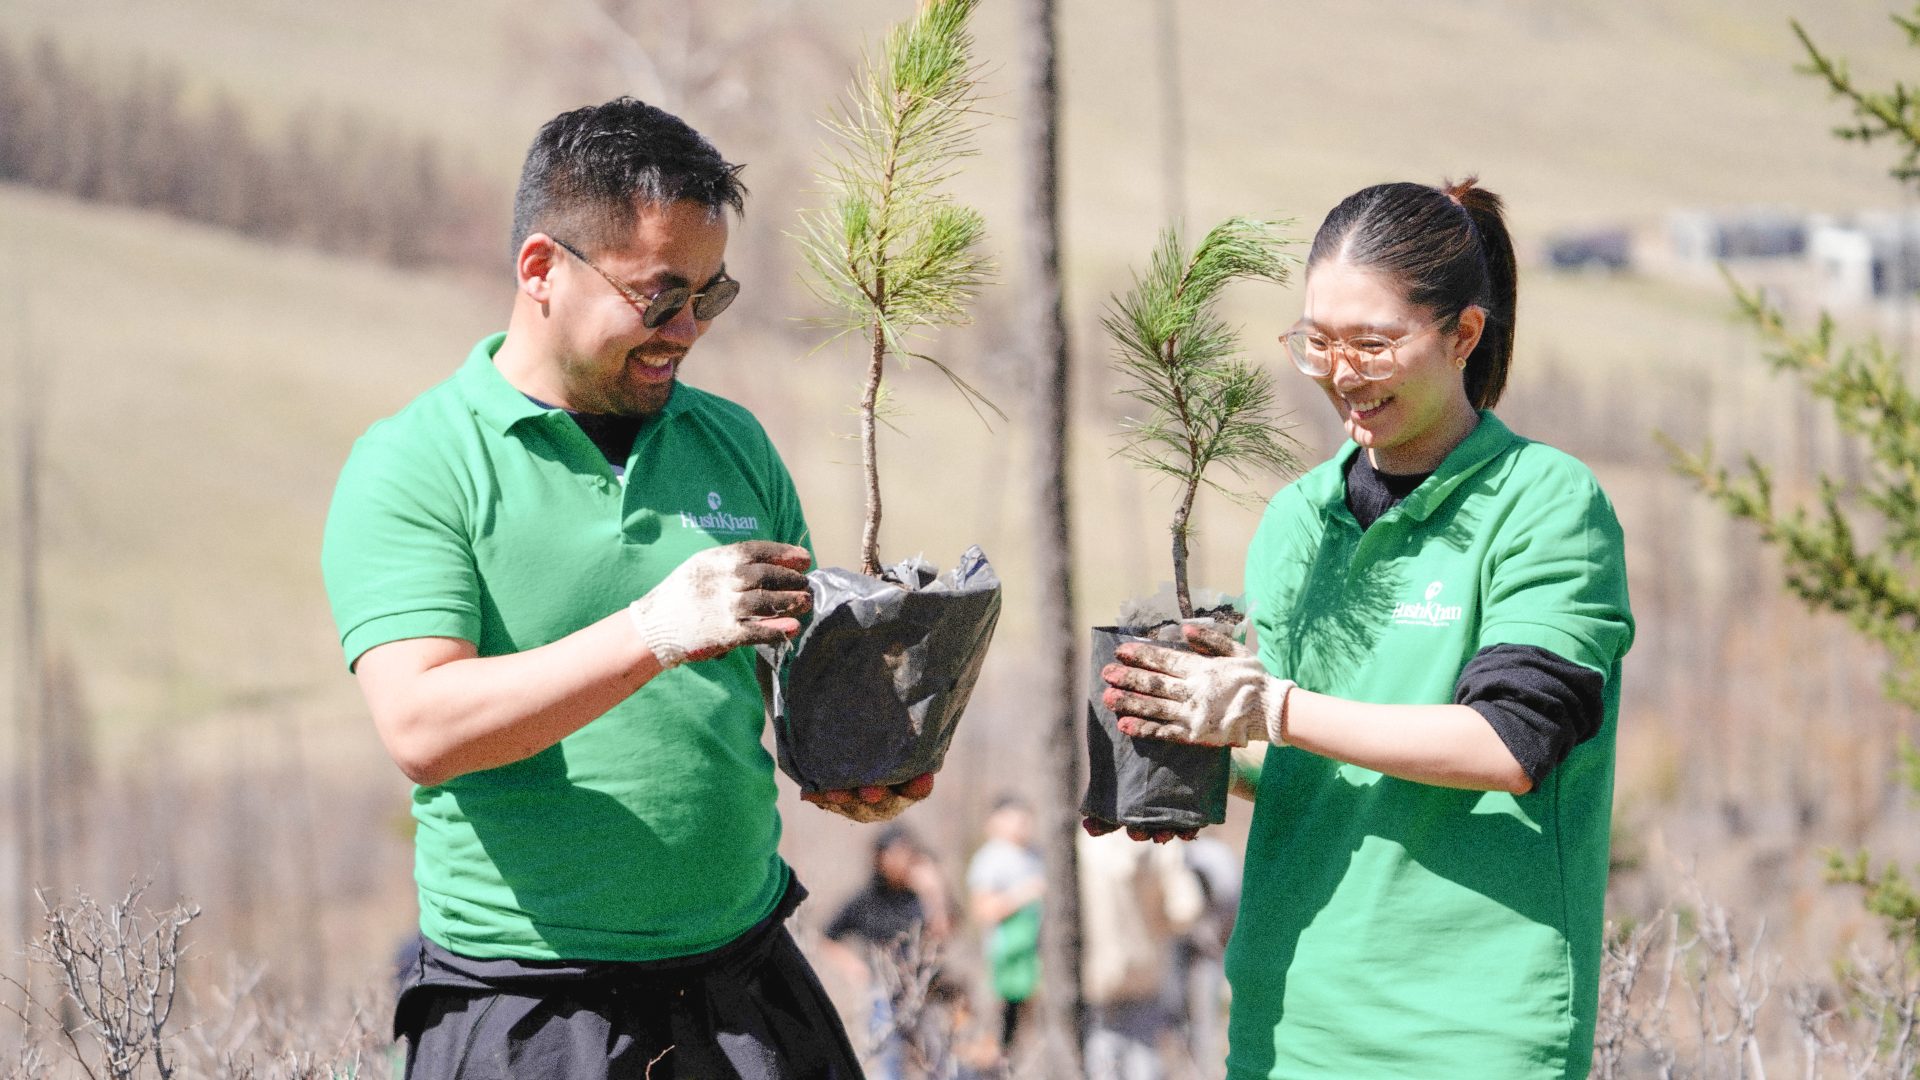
(198, 391)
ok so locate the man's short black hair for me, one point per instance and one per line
(588, 168)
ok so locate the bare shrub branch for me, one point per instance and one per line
(119, 967)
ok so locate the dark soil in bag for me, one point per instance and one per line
(1146, 783)
(872, 689)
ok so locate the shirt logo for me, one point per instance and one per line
(1427, 612)
(718, 520)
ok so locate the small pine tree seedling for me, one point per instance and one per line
(1206, 405)
(894, 256)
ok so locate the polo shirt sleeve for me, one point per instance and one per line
(1541, 705)
(1278, 560)
(396, 556)
(1558, 577)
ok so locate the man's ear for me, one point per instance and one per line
(533, 266)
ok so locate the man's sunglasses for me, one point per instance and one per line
(658, 309)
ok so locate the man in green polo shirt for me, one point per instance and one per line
(543, 570)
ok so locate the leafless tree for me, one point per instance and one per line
(119, 967)
(1626, 1023)
(1873, 1029)
(1059, 819)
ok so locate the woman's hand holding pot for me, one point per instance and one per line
(1193, 697)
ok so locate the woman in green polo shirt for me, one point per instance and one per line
(1439, 614)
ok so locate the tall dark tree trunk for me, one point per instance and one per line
(1061, 1015)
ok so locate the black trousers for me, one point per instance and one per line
(749, 1010)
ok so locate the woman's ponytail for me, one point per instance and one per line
(1487, 367)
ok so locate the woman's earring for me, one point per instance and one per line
(1460, 362)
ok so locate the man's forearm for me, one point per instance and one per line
(443, 711)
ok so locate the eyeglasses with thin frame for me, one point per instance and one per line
(1373, 356)
(661, 307)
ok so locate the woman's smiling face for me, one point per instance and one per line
(1410, 420)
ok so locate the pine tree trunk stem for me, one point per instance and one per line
(1181, 594)
(869, 454)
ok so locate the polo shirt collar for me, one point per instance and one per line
(496, 401)
(1488, 440)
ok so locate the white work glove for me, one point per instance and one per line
(1211, 700)
(748, 593)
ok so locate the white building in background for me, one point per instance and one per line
(1705, 237)
(1871, 258)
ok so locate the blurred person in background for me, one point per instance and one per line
(1006, 882)
(1439, 615)
(897, 920)
(543, 571)
(1135, 901)
(1197, 986)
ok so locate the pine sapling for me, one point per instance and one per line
(893, 255)
(1205, 405)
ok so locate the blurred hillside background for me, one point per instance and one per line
(232, 235)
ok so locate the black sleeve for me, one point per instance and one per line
(1540, 704)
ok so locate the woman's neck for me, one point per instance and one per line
(1424, 455)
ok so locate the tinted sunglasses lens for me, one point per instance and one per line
(664, 306)
(715, 298)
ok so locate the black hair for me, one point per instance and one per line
(588, 168)
(1010, 801)
(1448, 247)
(895, 833)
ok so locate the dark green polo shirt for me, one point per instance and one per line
(476, 514)
(1390, 928)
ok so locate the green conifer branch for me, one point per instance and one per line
(1893, 113)
(893, 256)
(1203, 405)
(1856, 550)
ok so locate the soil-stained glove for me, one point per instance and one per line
(722, 598)
(1164, 693)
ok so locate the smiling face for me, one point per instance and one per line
(597, 355)
(1409, 421)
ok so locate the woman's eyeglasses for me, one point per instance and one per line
(658, 309)
(1373, 356)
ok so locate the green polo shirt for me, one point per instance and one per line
(476, 514)
(1390, 928)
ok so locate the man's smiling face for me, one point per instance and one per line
(607, 360)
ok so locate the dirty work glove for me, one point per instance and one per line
(721, 598)
(1164, 693)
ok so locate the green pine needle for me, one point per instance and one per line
(892, 251)
(1202, 404)
(892, 256)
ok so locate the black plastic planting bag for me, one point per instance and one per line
(872, 689)
(1146, 783)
